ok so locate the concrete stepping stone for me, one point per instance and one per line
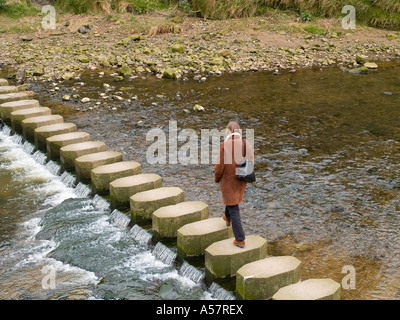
(143, 204)
(102, 176)
(30, 124)
(8, 89)
(14, 96)
(223, 258)
(122, 189)
(55, 143)
(69, 153)
(18, 116)
(8, 107)
(167, 220)
(42, 133)
(260, 280)
(194, 238)
(85, 164)
(3, 82)
(311, 289)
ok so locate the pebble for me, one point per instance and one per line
(85, 100)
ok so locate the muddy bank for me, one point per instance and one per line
(187, 48)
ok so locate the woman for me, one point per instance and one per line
(231, 153)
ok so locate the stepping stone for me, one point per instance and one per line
(69, 153)
(8, 89)
(42, 133)
(167, 220)
(30, 124)
(122, 189)
(85, 164)
(23, 95)
(194, 238)
(223, 258)
(9, 107)
(143, 204)
(55, 143)
(18, 116)
(311, 289)
(260, 280)
(3, 82)
(102, 176)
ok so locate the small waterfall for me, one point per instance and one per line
(220, 293)
(82, 191)
(120, 219)
(164, 254)
(53, 167)
(17, 139)
(6, 130)
(191, 272)
(28, 147)
(39, 157)
(68, 179)
(100, 203)
(140, 234)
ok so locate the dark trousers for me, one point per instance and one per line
(233, 215)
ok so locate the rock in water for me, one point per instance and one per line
(371, 65)
(198, 107)
(125, 70)
(169, 73)
(360, 70)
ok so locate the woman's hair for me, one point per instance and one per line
(233, 127)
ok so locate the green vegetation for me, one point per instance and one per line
(314, 29)
(94, 6)
(375, 13)
(306, 16)
(16, 9)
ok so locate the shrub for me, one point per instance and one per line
(306, 16)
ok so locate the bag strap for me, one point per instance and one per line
(244, 142)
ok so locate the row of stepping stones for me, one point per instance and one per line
(257, 275)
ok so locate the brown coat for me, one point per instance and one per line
(225, 170)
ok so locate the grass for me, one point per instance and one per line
(108, 6)
(313, 29)
(16, 9)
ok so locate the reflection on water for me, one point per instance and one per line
(327, 155)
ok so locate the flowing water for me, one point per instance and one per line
(327, 191)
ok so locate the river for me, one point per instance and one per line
(327, 189)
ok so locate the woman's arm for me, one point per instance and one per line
(219, 165)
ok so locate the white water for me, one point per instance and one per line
(82, 191)
(100, 203)
(164, 254)
(31, 255)
(120, 219)
(140, 234)
(191, 272)
(219, 293)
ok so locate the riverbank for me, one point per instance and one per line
(183, 47)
